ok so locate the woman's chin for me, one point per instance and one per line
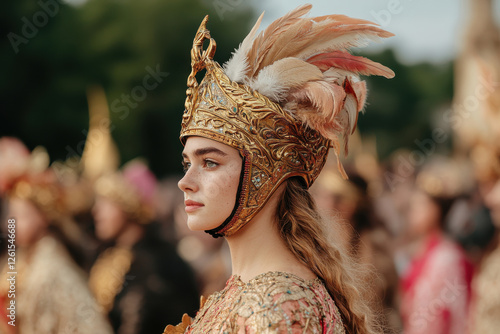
(195, 224)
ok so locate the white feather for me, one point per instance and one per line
(351, 107)
(269, 84)
(237, 66)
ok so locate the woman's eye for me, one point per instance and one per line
(210, 164)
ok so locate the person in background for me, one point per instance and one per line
(364, 236)
(139, 280)
(485, 308)
(436, 285)
(51, 294)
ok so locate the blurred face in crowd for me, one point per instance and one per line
(210, 183)
(331, 202)
(492, 200)
(31, 224)
(423, 214)
(110, 219)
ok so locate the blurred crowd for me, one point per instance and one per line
(88, 247)
(110, 252)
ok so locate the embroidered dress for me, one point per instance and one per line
(273, 302)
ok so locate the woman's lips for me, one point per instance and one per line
(192, 205)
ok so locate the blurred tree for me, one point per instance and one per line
(401, 110)
(41, 74)
(139, 52)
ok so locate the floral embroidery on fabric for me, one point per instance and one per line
(273, 302)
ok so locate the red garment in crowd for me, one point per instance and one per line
(436, 289)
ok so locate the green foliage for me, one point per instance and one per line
(400, 110)
(117, 43)
(109, 43)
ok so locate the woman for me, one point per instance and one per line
(256, 136)
(51, 293)
(436, 286)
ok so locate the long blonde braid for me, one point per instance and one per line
(300, 227)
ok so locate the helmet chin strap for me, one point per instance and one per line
(215, 232)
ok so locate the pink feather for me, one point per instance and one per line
(266, 39)
(360, 92)
(327, 97)
(344, 60)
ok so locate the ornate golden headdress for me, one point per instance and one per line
(283, 99)
(27, 175)
(133, 189)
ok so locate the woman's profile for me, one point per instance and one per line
(256, 134)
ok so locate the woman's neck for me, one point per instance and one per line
(258, 248)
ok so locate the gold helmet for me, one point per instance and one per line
(283, 99)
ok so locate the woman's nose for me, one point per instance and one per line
(188, 182)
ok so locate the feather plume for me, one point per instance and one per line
(266, 39)
(360, 93)
(353, 111)
(326, 99)
(304, 64)
(236, 67)
(275, 80)
(293, 36)
(336, 75)
(339, 36)
(356, 64)
(337, 95)
(343, 18)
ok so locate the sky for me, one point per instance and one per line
(426, 30)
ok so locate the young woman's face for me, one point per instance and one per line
(423, 214)
(109, 218)
(211, 182)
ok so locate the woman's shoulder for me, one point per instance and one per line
(276, 302)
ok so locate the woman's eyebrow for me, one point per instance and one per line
(205, 150)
